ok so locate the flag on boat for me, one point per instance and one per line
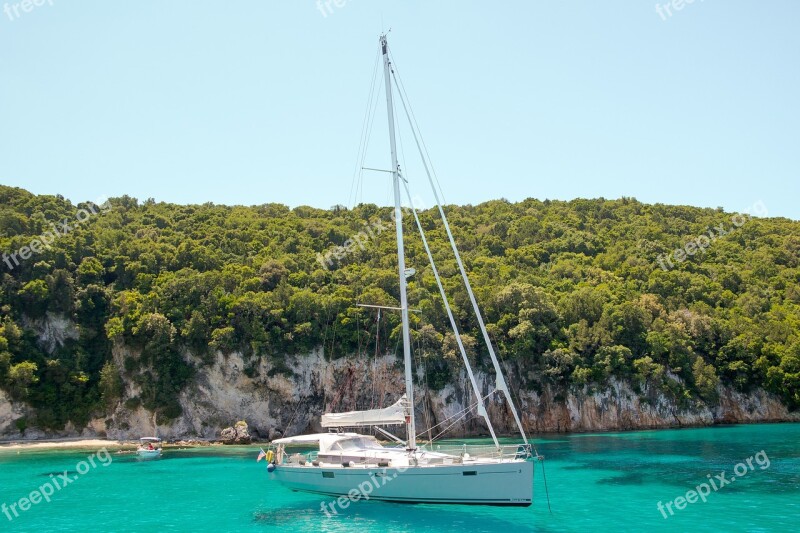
(261, 455)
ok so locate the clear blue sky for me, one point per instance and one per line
(250, 102)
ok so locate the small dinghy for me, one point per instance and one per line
(149, 448)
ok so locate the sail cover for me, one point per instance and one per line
(394, 414)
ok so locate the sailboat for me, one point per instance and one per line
(356, 465)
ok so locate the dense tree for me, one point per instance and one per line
(574, 293)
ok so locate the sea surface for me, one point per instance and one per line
(597, 482)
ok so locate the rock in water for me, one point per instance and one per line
(242, 434)
(238, 434)
(228, 436)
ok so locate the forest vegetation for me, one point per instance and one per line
(573, 292)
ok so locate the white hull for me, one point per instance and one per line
(357, 466)
(149, 454)
(501, 483)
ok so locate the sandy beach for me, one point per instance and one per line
(101, 443)
(63, 443)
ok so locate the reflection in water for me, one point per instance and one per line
(381, 516)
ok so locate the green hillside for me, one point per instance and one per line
(572, 292)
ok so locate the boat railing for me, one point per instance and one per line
(484, 451)
(458, 452)
(335, 457)
(361, 458)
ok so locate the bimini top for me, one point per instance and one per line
(329, 441)
(150, 439)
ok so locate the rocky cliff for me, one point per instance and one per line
(290, 401)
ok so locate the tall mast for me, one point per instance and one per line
(401, 260)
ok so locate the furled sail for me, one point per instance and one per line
(394, 414)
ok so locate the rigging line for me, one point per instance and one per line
(332, 322)
(353, 184)
(325, 331)
(398, 129)
(333, 336)
(544, 476)
(445, 430)
(518, 398)
(375, 360)
(401, 87)
(499, 379)
(460, 414)
(366, 134)
(293, 416)
(360, 191)
(481, 408)
(358, 322)
(396, 350)
(369, 136)
(426, 395)
(358, 334)
(400, 139)
(397, 346)
(364, 127)
(427, 392)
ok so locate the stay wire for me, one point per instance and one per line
(426, 391)
(461, 414)
(402, 89)
(544, 477)
(363, 138)
(375, 359)
(464, 411)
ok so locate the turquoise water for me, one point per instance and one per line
(609, 481)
